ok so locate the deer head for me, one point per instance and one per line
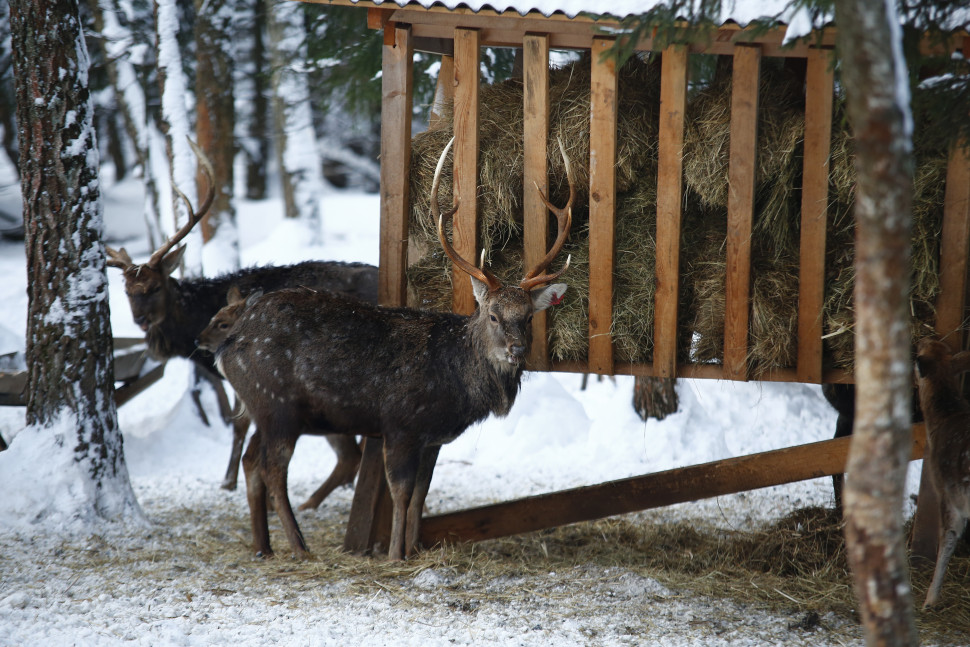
(503, 320)
(222, 322)
(149, 286)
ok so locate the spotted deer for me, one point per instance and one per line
(311, 362)
(172, 312)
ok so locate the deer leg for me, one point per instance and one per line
(277, 451)
(401, 463)
(348, 462)
(952, 523)
(240, 425)
(423, 482)
(256, 495)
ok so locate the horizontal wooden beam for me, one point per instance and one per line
(680, 485)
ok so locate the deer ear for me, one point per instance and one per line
(251, 299)
(480, 289)
(234, 296)
(172, 259)
(549, 295)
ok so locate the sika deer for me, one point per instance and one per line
(947, 416)
(345, 447)
(173, 312)
(317, 362)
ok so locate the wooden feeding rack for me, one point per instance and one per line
(459, 35)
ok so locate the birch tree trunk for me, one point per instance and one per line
(72, 423)
(877, 102)
(175, 124)
(112, 18)
(297, 153)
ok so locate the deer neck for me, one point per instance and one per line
(502, 380)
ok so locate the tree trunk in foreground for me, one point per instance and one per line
(70, 408)
(877, 102)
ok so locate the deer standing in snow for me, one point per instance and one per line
(318, 362)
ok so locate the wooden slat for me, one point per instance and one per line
(954, 249)
(741, 181)
(680, 485)
(602, 200)
(535, 63)
(465, 232)
(444, 91)
(819, 87)
(396, 90)
(670, 152)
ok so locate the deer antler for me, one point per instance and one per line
(481, 274)
(564, 216)
(118, 258)
(194, 217)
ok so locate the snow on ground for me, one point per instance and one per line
(145, 585)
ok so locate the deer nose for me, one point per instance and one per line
(517, 350)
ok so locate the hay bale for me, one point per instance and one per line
(775, 235)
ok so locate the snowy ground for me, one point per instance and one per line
(161, 583)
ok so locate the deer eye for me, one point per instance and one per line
(493, 318)
(528, 319)
(223, 325)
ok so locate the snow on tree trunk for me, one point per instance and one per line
(72, 448)
(297, 152)
(176, 100)
(122, 55)
(877, 103)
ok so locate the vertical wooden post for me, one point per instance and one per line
(396, 90)
(670, 151)
(535, 216)
(819, 88)
(741, 181)
(602, 201)
(370, 512)
(950, 311)
(465, 232)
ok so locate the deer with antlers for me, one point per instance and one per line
(173, 312)
(307, 362)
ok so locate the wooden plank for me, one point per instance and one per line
(670, 160)
(819, 88)
(602, 201)
(465, 232)
(124, 393)
(444, 91)
(954, 249)
(535, 64)
(741, 182)
(704, 481)
(396, 89)
(369, 524)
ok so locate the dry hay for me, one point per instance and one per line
(793, 566)
(775, 235)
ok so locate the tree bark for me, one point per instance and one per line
(296, 152)
(877, 102)
(655, 397)
(215, 108)
(68, 348)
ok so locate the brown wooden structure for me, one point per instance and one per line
(458, 35)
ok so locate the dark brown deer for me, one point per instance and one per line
(346, 447)
(173, 312)
(318, 362)
(947, 415)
